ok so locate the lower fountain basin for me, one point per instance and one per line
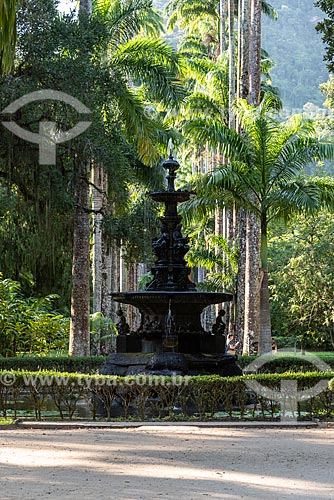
(186, 309)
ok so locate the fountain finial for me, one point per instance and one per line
(170, 148)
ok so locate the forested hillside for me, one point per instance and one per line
(296, 48)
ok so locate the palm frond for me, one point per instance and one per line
(154, 63)
(124, 19)
(200, 103)
(139, 127)
(198, 68)
(326, 189)
(192, 45)
(205, 130)
(269, 10)
(183, 12)
(299, 195)
(151, 22)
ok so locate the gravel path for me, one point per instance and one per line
(172, 462)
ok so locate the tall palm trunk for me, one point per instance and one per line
(231, 73)
(80, 297)
(249, 79)
(243, 48)
(240, 290)
(242, 92)
(85, 7)
(255, 53)
(222, 23)
(265, 322)
(254, 98)
(252, 298)
(97, 202)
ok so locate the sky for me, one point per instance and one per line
(66, 5)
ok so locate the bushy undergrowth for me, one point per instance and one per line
(29, 324)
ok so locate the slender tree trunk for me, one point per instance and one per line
(231, 85)
(222, 24)
(252, 299)
(255, 53)
(232, 306)
(85, 7)
(80, 299)
(265, 322)
(243, 48)
(240, 291)
(242, 92)
(231, 229)
(79, 344)
(113, 279)
(265, 340)
(98, 247)
(106, 272)
(97, 202)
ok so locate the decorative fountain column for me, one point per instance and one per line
(171, 307)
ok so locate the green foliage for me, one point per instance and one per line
(331, 385)
(37, 202)
(198, 397)
(221, 262)
(103, 331)
(288, 363)
(87, 365)
(266, 162)
(328, 89)
(326, 28)
(29, 325)
(302, 265)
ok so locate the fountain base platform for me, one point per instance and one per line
(170, 363)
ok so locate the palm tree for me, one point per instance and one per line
(208, 19)
(265, 175)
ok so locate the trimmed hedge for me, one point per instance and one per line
(289, 364)
(92, 364)
(89, 364)
(153, 397)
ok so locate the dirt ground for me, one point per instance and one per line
(174, 462)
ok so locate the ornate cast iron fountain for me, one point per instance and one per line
(171, 306)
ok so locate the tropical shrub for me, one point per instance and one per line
(301, 277)
(29, 325)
